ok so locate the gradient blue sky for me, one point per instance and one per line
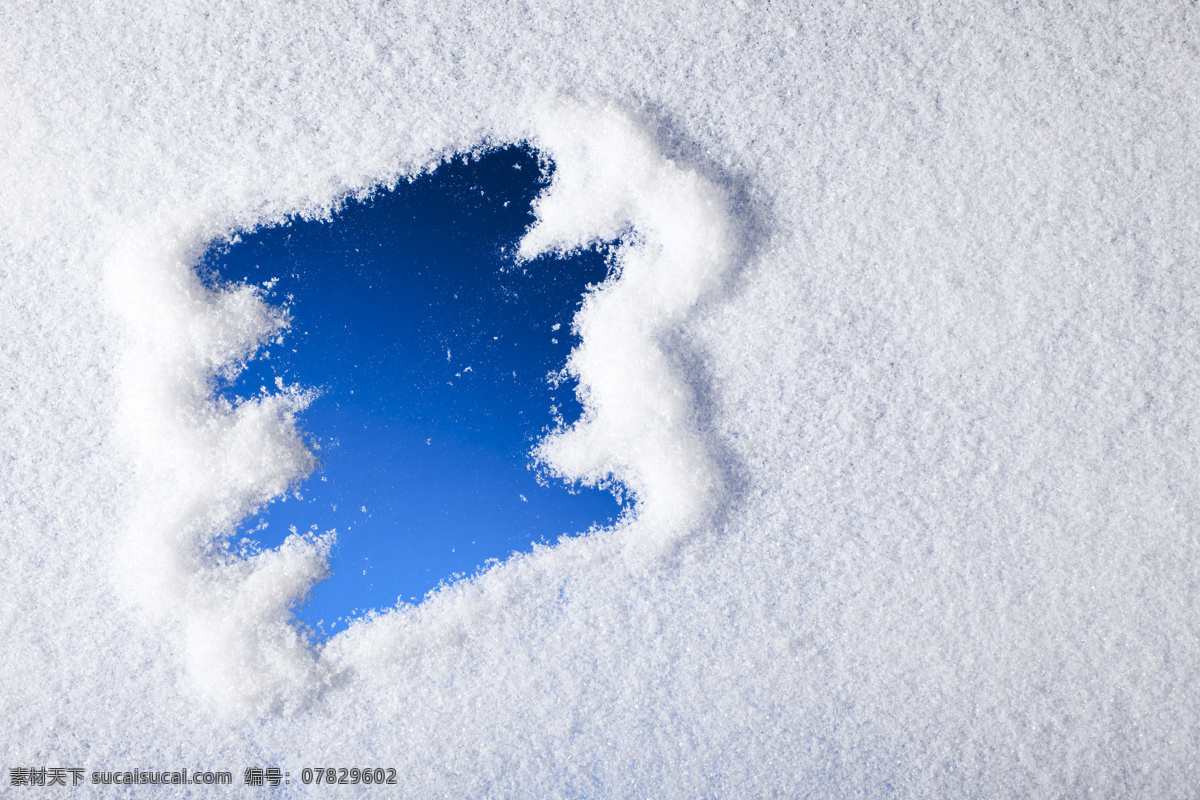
(431, 348)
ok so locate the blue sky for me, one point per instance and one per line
(431, 348)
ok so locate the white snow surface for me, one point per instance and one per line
(901, 362)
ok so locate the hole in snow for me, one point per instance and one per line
(431, 349)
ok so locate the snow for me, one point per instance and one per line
(900, 363)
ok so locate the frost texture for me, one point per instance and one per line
(917, 450)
